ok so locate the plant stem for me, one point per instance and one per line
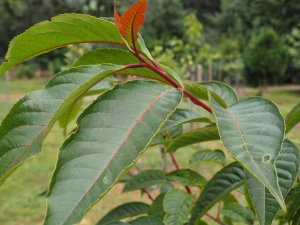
(157, 69)
(215, 219)
(175, 162)
(148, 194)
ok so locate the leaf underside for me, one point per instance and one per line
(252, 130)
(112, 133)
(27, 124)
(287, 167)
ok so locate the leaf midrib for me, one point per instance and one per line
(116, 151)
(243, 139)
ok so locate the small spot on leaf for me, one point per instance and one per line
(266, 158)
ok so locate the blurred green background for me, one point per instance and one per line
(253, 45)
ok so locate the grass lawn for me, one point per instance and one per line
(22, 196)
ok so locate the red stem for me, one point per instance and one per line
(148, 194)
(175, 162)
(155, 68)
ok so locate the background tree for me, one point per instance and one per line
(265, 58)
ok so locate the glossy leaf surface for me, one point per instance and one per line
(61, 31)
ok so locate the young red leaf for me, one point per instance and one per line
(131, 22)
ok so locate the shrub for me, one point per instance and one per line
(265, 58)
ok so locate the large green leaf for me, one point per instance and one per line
(222, 183)
(177, 205)
(182, 116)
(287, 167)
(146, 220)
(208, 155)
(253, 130)
(124, 211)
(192, 137)
(145, 179)
(112, 133)
(27, 124)
(62, 30)
(222, 92)
(187, 177)
(293, 118)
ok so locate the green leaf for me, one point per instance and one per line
(70, 115)
(222, 92)
(187, 177)
(61, 31)
(182, 116)
(217, 156)
(238, 213)
(287, 167)
(177, 205)
(146, 220)
(124, 211)
(198, 135)
(27, 124)
(226, 180)
(145, 179)
(173, 74)
(119, 57)
(109, 139)
(106, 55)
(157, 208)
(293, 118)
(252, 130)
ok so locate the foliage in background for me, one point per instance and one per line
(265, 58)
(232, 22)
